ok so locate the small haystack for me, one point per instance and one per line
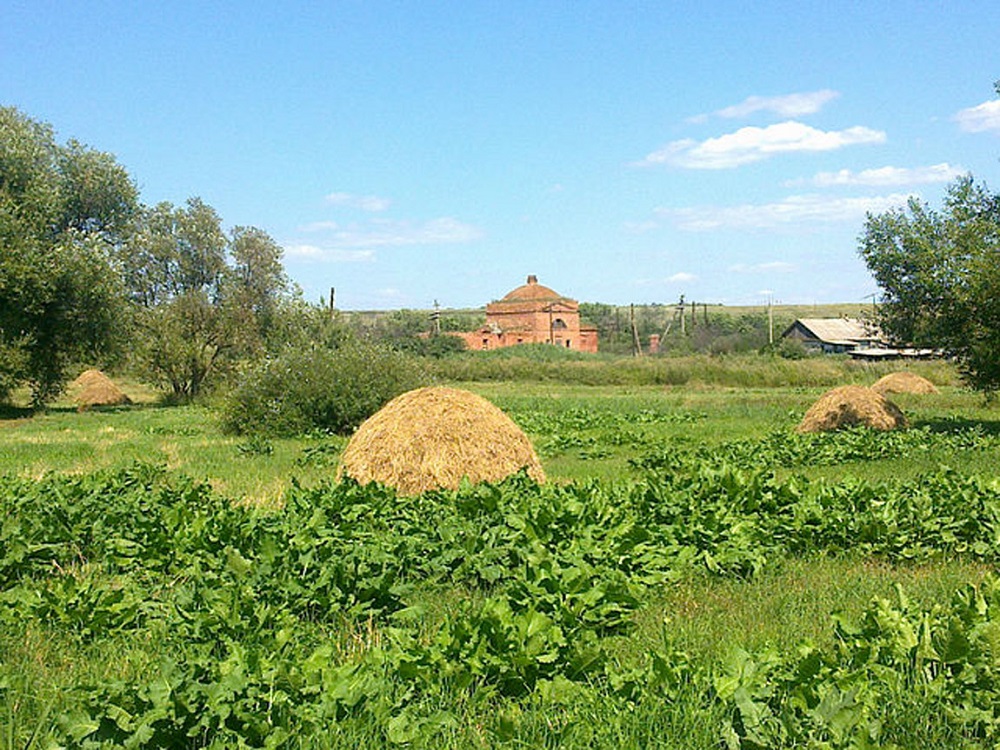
(87, 377)
(850, 406)
(94, 388)
(434, 437)
(904, 382)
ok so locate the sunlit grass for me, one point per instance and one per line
(704, 615)
(793, 603)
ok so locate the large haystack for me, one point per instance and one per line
(94, 388)
(431, 438)
(850, 406)
(904, 382)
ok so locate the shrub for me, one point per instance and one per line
(319, 389)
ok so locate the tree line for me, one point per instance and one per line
(90, 274)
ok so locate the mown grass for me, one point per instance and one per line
(188, 438)
(181, 438)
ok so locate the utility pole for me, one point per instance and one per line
(636, 344)
(333, 302)
(770, 321)
(436, 319)
(680, 310)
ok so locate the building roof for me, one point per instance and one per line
(835, 330)
(532, 297)
(531, 290)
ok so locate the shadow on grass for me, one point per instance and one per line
(159, 404)
(7, 411)
(951, 425)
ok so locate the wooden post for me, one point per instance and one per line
(333, 301)
(636, 344)
(770, 322)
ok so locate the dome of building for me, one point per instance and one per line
(532, 290)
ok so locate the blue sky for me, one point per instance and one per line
(407, 152)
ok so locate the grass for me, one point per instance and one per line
(705, 616)
(181, 438)
(188, 438)
(780, 609)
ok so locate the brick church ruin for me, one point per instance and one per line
(533, 314)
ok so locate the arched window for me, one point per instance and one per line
(558, 324)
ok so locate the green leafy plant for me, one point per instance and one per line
(336, 389)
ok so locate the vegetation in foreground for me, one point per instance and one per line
(346, 615)
(657, 598)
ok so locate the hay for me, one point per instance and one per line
(94, 388)
(850, 406)
(904, 382)
(87, 377)
(434, 437)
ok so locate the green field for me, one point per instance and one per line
(692, 575)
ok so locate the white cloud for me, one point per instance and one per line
(336, 255)
(358, 241)
(319, 226)
(884, 176)
(796, 210)
(752, 144)
(682, 278)
(776, 266)
(787, 105)
(399, 233)
(371, 203)
(981, 118)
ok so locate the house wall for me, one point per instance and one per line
(510, 325)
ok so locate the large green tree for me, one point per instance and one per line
(939, 271)
(204, 300)
(63, 212)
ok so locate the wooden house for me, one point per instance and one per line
(833, 335)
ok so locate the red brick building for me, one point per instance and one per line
(533, 314)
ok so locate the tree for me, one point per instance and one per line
(939, 272)
(63, 211)
(256, 283)
(197, 311)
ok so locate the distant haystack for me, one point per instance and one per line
(87, 377)
(904, 382)
(432, 438)
(851, 406)
(94, 388)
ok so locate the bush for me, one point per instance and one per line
(319, 389)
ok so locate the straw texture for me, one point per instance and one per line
(904, 382)
(94, 388)
(432, 438)
(850, 406)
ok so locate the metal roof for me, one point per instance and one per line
(836, 330)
